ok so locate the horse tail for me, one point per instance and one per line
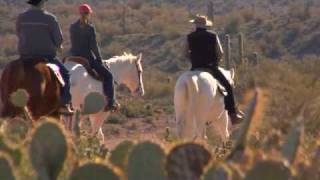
(184, 100)
(6, 90)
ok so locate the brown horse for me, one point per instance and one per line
(38, 80)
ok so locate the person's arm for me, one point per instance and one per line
(94, 45)
(219, 49)
(186, 48)
(56, 33)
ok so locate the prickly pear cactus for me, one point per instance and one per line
(14, 152)
(291, 146)
(48, 150)
(187, 161)
(269, 170)
(221, 172)
(240, 137)
(19, 98)
(119, 156)
(94, 171)
(6, 170)
(146, 162)
(93, 103)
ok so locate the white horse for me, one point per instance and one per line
(126, 69)
(199, 106)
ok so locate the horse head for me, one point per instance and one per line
(127, 69)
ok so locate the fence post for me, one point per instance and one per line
(240, 48)
(227, 52)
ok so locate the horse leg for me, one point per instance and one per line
(97, 121)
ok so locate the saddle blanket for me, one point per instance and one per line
(56, 70)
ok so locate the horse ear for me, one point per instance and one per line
(232, 73)
(140, 57)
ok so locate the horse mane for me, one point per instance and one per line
(124, 57)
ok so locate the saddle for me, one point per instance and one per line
(221, 89)
(85, 63)
(33, 61)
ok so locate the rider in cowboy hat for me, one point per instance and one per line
(39, 35)
(84, 44)
(205, 51)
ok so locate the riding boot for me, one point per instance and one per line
(112, 105)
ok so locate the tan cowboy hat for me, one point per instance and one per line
(201, 21)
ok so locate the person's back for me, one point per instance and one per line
(39, 33)
(202, 45)
(83, 40)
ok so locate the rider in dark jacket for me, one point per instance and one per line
(205, 51)
(84, 44)
(39, 35)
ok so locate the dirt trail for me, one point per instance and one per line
(137, 130)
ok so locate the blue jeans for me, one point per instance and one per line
(65, 91)
(108, 82)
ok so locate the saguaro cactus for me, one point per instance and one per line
(241, 49)
(187, 161)
(227, 58)
(146, 161)
(210, 12)
(48, 150)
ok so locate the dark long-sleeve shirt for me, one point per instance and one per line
(84, 42)
(204, 48)
(38, 32)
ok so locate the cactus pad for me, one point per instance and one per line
(6, 171)
(119, 156)
(146, 162)
(48, 150)
(19, 98)
(94, 171)
(290, 148)
(93, 103)
(267, 170)
(187, 161)
(14, 153)
(222, 172)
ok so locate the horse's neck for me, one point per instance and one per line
(118, 69)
